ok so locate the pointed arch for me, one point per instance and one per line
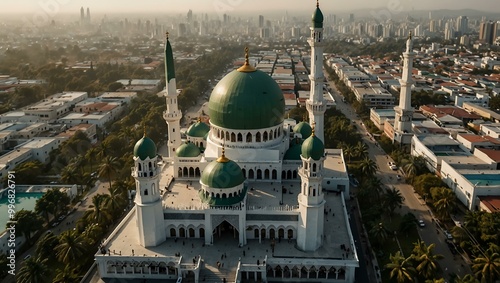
(264, 136)
(233, 137)
(250, 174)
(266, 174)
(259, 174)
(271, 134)
(240, 137)
(257, 137)
(249, 137)
(275, 174)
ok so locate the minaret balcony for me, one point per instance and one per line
(172, 117)
(315, 106)
(144, 173)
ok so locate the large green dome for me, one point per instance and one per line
(246, 101)
(222, 174)
(198, 130)
(304, 129)
(317, 18)
(313, 147)
(188, 149)
(145, 148)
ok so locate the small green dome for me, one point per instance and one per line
(304, 129)
(317, 18)
(188, 149)
(294, 152)
(246, 100)
(198, 130)
(313, 147)
(222, 174)
(145, 148)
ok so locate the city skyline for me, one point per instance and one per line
(240, 6)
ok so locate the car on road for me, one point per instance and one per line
(392, 165)
(61, 218)
(421, 223)
(55, 224)
(448, 235)
(27, 257)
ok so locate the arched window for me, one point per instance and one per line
(249, 137)
(173, 233)
(240, 137)
(271, 134)
(227, 136)
(314, 167)
(257, 137)
(139, 167)
(146, 192)
(264, 137)
(314, 192)
(233, 137)
(224, 195)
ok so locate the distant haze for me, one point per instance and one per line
(238, 6)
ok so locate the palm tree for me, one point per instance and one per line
(407, 224)
(99, 213)
(487, 267)
(103, 150)
(361, 150)
(426, 260)
(117, 200)
(379, 232)
(349, 152)
(413, 166)
(444, 201)
(91, 155)
(93, 233)
(472, 220)
(401, 268)
(392, 199)
(66, 275)
(71, 248)
(46, 245)
(68, 174)
(34, 270)
(434, 280)
(469, 278)
(459, 234)
(368, 167)
(108, 168)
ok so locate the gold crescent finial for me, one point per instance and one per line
(246, 68)
(313, 128)
(223, 158)
(166, 34)
(409, 36)
(144, 130)
(317, 3)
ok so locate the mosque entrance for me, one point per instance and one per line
(226, 232)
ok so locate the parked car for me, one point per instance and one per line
(55, 224)
(27, 257)
(398, 177)
(61, 218)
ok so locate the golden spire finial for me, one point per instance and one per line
(409, 35)
(317, 3)
(246, 68)
(166, 35)
(313, 128)
(199, 118)
(144, 130)
(223, 158)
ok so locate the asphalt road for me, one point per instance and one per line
(412, 202)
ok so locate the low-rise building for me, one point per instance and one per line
(56, 106)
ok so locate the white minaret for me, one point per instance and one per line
(404, 112)
(311, 198)
(172, 115)
(149, 210)
(315, 104)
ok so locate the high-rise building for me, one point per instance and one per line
(189, 15)
(351, 18)
(488, 32)
(261, 21)
(82, 15)
(88, 15)
(433, 26)
(462, 26)
(449, 32)
(404, 111)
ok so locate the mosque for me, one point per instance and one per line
(249, 197)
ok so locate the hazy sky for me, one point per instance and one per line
(238, 6)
